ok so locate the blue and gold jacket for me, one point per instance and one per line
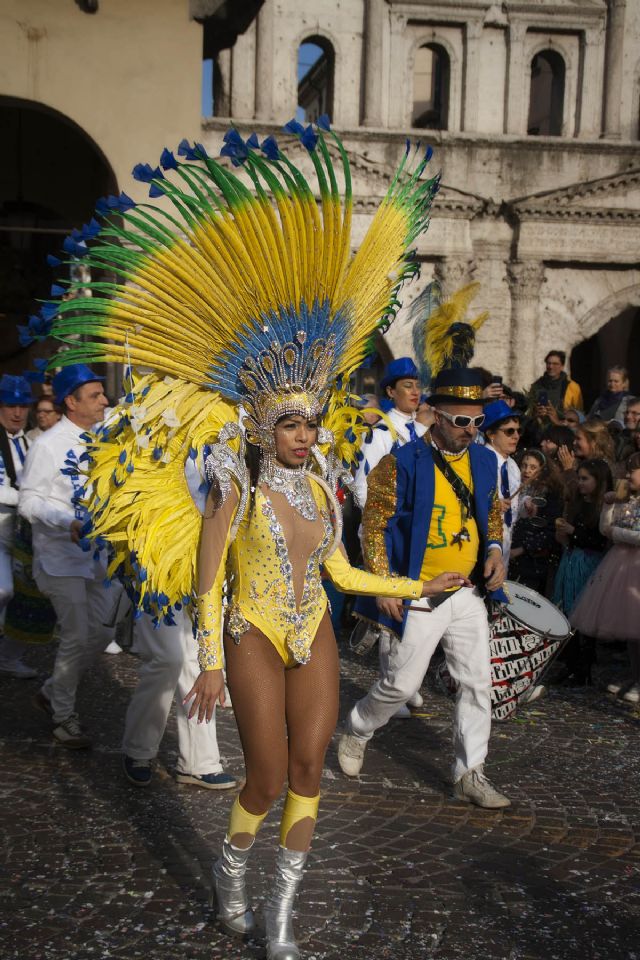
(397, 516)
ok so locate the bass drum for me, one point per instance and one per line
(525, 637)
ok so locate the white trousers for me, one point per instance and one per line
(462, 626)
(85, 610)
(169, 667)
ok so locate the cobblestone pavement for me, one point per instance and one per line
(94, 867)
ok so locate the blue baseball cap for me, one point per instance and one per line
(497, 412)
(70, 378)
(15, 391)
(397, 369)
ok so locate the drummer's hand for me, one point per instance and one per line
(494, 572)
(206, 691)
(505, 504)
(391, 607)
(444, 581)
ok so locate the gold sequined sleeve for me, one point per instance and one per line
(494, 523)
(212, 562)
(379, 509)
(349, 579)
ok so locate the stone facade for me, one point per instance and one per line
(549, 225)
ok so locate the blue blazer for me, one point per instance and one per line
(407, 531)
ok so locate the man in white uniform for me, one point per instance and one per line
(501, 430)
(64, 566)
(15, 401)
(401, 386)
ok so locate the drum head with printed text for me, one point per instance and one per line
(534, 611)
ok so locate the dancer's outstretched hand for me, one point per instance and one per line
(206, 692)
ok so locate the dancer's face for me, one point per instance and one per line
(294, 437)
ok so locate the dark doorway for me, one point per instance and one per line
(616, 343)
(51, 174)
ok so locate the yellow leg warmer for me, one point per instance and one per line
(241, 821)
(296, 808)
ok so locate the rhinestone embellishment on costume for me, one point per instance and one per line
(292, 484)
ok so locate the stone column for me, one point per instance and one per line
(222, 90)
(265, 54)
(614, 69)
(518, 77)
(400, 84)
(473, 37)
(243, 75)
(373, 62)
(452, 274)
(525, 282)
(592, 49)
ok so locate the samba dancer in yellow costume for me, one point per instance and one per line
(248, 307)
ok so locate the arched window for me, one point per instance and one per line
(431, 74)
(546, 99)
(316, 62)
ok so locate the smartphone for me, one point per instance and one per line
(496, 379)
(543, 399)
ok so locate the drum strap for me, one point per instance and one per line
(460, 488)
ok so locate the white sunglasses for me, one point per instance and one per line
(461, 420)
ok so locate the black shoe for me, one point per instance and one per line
(137, 772)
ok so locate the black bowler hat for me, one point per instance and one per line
(460, 385)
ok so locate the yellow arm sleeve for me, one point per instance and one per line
(379, 508)
(212, 562)
(349, 579)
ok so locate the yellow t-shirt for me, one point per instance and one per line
(441, 554)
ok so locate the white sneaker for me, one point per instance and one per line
(416, 701)
(351, 754)
(113, 648)
(618, 686)
(17, 669)
(403, 712)
(474, 787)
(533, 693)
(70, 734)
(633, 694)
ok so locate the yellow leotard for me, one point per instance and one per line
(272, 571)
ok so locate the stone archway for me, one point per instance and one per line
(52, 173)
(617, 342)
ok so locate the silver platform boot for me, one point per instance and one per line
(229, 893)
(281, 942)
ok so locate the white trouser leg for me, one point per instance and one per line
(161, 655)
(197, 742)
(407, 662)
(461, 623)
(82, 607)
(6, 577)
(466, 646)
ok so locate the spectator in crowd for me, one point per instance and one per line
(583, 548)
(554, 388)
(15, 402)
(501, 430)
(47, 415)
(553, 438)
(624, 444)
(69, 575)
(609, 609)
(534, 549)
(572, 418)
(169, 666)
(612, 402)
(632, 414)
(592, 441)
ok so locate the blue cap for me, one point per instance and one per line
(15, 391)
(70, 378)
(497, 412)
(397, 369)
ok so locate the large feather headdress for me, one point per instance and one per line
(240, 288)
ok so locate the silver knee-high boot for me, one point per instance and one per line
(281, 942)
(229, 891)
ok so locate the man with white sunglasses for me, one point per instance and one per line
(433, 507)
